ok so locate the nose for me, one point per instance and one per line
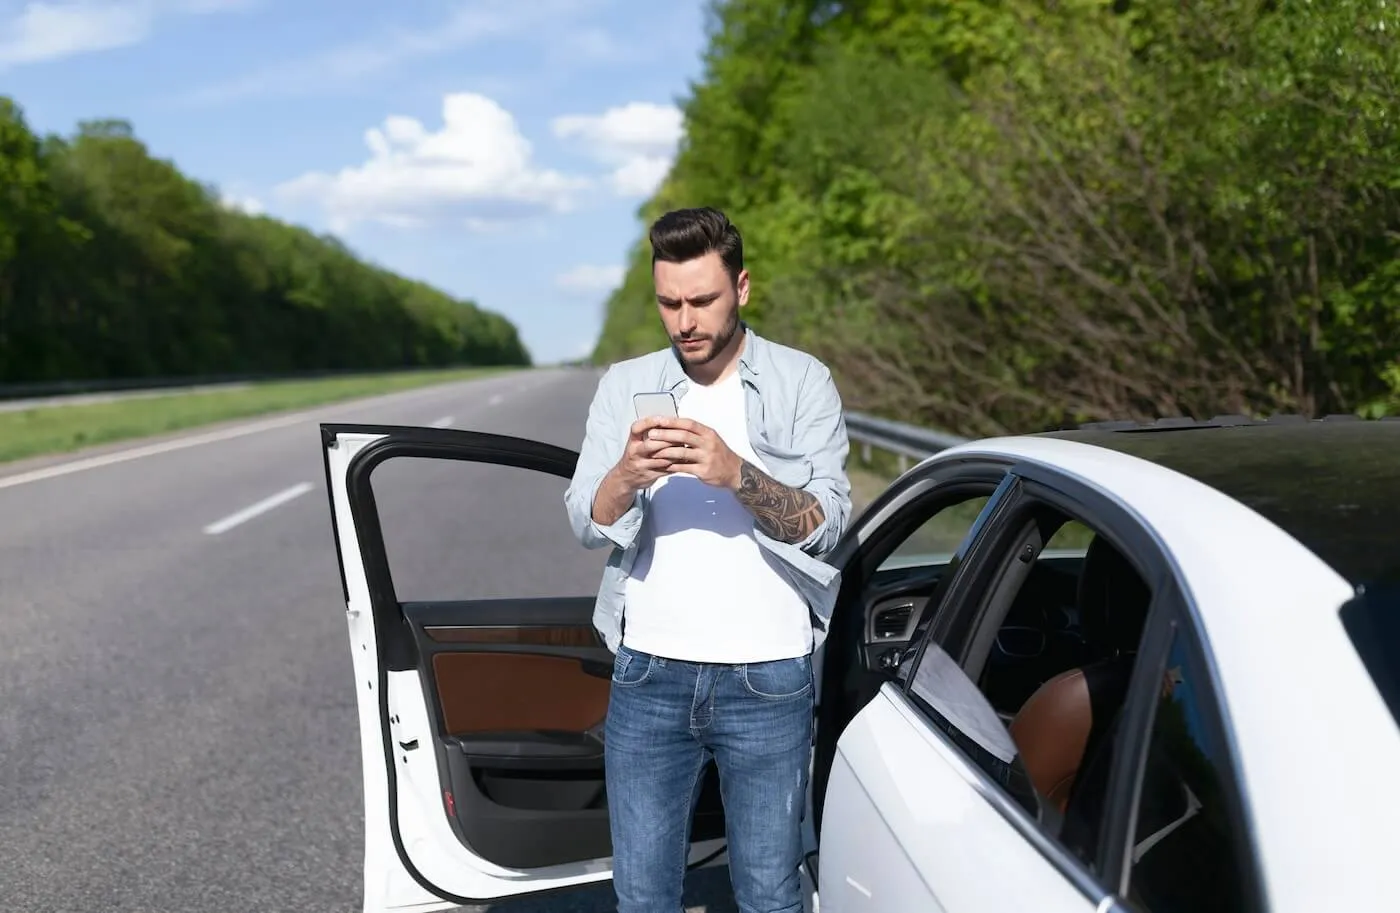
(687, 322)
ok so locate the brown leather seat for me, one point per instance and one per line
(1061, 723)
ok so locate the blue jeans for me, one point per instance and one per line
(666, 719)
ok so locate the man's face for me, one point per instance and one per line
(699, 305)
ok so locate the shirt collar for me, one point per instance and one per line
(674, 373)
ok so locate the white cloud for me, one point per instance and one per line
(45, 30)
(638, 140)
(477, 170)
(246, 204)
(589, 278)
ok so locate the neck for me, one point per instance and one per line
(722, 365)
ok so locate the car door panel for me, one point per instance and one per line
(910, 826)
(481, 719)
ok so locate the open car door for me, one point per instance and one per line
(482, 685)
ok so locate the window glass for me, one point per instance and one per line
(1040, 700)
(1372, 621)
(953, 703)
(461, 530)
(938, 537)
(1185, 852)
(1072, 537)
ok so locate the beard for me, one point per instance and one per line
(718, 342)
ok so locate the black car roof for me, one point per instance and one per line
(1332, 484)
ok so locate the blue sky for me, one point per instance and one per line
(498, 149)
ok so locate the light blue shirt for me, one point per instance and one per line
(797, 427)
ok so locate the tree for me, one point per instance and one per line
(115, 264)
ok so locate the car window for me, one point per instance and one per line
(936, 539)
(436, 518)
(1047, 638)
(1372, 621)
(1185, 853)
(1072, 537)
(952, 702)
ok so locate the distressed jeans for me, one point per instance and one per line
(666, 720)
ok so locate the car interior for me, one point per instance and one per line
(516, 688)
(533, 752)
(1052, 650)
(1057, 669)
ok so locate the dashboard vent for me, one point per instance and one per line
(891, 622)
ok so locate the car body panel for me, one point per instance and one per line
(1268, 610)
(906, 830)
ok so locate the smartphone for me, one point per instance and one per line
(649, 405)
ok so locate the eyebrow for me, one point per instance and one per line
(706, 298)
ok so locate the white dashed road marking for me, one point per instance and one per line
(443, 422)
(253, 510)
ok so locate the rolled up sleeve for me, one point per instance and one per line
(603, 442)
(820, 432)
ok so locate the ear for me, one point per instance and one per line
(742, 286)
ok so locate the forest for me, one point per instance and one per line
(996, 216)
(114, 264)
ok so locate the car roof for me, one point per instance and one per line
(1334, 484)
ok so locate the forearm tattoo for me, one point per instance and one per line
(783, 513)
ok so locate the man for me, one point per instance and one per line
(714, 598)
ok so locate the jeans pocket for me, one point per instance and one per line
(630, 668)
(779, 680)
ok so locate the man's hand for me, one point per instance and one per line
(782, 512)
(689, 446)
(636, 469)
(641, 462)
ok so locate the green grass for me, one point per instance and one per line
(60, 429)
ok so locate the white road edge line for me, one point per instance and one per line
(253, 510)
(443, 422)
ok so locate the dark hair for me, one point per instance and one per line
(685, 234)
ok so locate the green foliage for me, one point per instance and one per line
(114, 264)
(993, 215)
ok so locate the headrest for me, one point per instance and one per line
(1113, 599)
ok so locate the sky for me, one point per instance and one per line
(497, 149)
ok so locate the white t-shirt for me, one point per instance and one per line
(702, 588)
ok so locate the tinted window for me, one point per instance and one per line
(1042, 752)
(1372, 621)
(1185, 856)
(959, 710)
(937, 538)
(460, 530)
(1333, 486)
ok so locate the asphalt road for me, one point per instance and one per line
(177, 720)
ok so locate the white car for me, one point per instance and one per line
(1142, 668)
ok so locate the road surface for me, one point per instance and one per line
(177, 720)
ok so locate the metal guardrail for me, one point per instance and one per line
(908, 442)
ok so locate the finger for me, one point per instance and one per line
(681, 424)
(675, 436)
(649, 448)
(677, 455)
(642, 425)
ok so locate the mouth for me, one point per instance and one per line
(690, 345)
